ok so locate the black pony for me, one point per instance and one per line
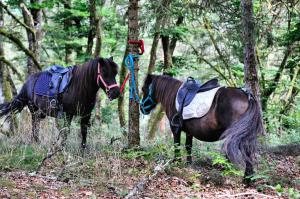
(78, 99)
(233, 116)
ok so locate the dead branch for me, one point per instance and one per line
(140, 187)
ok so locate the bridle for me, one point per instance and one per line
(149, 99)
(106, 86)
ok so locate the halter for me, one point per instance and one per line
(99, 77)
(149, 100)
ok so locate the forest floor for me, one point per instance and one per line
(113, 175)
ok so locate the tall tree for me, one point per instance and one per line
(134, 112)
(250, 70)
(92, 26)
(159, 23)
(33, 19)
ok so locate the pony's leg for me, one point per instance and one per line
(36, 119)
(188, 147)
(249, 171)
(84, 124)
(176, 137)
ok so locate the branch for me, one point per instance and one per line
(12, 67)
(207, 27)
(18, 42)
(228, 81)
(16, 18)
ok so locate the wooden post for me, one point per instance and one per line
(134, 112)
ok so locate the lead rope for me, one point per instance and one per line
(129, 62)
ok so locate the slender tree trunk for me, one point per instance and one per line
(250, 71)
(165, 40)
(67, 25)
(121, 101)
(160, 21)
(33, 19)
(134, 112)
(93, 26)
(98, 46)
(5, 77)
(175, 38)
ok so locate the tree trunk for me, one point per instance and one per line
(33, 19)
(67, 25)
(92, 28)
(121, 101)
(165, 40)
(98, 46)
(134, 112)
(250, 71)
(5, 77)
(160, 21)
(175, 38)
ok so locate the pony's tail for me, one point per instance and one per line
(241, 137)
(15, 106)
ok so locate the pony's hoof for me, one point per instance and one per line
(189, 160)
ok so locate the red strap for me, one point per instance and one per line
(124, 83)
(140, 43)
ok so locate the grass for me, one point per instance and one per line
(22, 156)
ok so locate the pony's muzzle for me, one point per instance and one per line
(113, 93)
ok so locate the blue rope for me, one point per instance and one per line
(129, 62)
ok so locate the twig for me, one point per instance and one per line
(139, 187)
(243, 194)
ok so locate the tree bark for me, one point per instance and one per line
(175, 37)
(134, 112)
(67, 25)
(98, 45)
(5, 77)
(165, 40)
(250, 71)
(121, 101)
(160, 21)
(92, 28)
(33, 19)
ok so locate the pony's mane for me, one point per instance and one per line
(86, 73)
(165, 88)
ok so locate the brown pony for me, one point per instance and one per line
(78, 99)
(234, 116)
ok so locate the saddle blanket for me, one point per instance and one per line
(199, 106)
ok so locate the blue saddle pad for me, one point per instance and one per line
(53, 81)
(191, 87)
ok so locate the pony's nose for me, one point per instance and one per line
(114, 93)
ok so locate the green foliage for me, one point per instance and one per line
(25, 157)
(228, 168)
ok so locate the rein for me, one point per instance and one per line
(100, 78)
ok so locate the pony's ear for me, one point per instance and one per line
(111, 58)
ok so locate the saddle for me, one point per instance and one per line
(52, 82)
(186, 94)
